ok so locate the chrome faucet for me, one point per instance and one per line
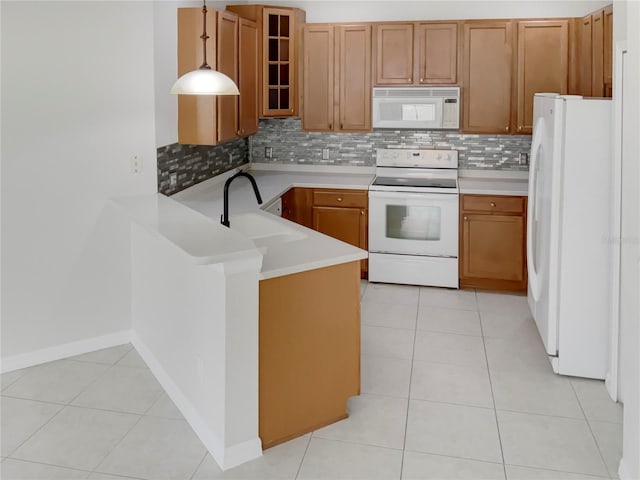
(224, 218)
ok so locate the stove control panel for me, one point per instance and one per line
(401, 157)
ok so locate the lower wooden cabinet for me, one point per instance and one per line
(341, 214)
(493, 242)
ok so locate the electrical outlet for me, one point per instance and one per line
(268, 152)
(173, 179)
(325, 154)
(136, 164)
(523, 158)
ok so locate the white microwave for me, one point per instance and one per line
(416, 107)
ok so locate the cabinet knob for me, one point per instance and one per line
(421, 80)
(291, 110)
(362, 212)
(506, 129)
(243, 130)
(339, 199)
(493, 204)
(409, 80)
(520, 128)
(466, 218)
(238, 132)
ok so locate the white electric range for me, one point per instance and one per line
(413, 218)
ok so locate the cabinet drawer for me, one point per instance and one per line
(490, 203)
(340, 198)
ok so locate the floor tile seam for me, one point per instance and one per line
(49, 464)
(547, 469)
(353, 442)
(153, 404)
(90, 384)
(448, 333)
(206, 452)
(593, 435)
(603, 421)
(409, 450)
(413, 353)
(46, 402)
(493, 398)
(382, 395)
(446, 307)
(14, 381)
(121, 412)
(306, 449)
(35, 432)
(111, 450)
(388, 357)
(537, 414)
(449, 363)
(388, 327)
(102, 363)
(451, 403)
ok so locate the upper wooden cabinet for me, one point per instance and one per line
(279, 30)
(584, 56)
(415, 53)
(543, 64)
(487, 76)
(607, 63)
(248, 77)
(436, 49)
(336, 78)
(205, 119)
(597, 54)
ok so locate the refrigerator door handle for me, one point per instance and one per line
(534, 280)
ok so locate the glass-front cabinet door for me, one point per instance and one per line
(279, 62)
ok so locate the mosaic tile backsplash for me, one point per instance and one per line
(291, 145)
(193, 164)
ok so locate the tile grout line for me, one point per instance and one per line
(47, 464)
(140, 417)
(586, 419)
(413, 352)
(199, 464)
(493, 399)
(303, 455)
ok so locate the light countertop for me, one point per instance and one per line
(493, 182)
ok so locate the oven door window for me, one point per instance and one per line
(413, 222)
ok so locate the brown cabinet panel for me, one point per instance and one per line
(489, 203)
(493, 242)
(393, 50)
(227, 63)
(353, 75)
(346, 224)
(487, 76)
(597, 54)
(318, 75)
(248, 77)
(196, 113)
(340, 198)
(585, 56)
(608, 50)
(296, 206)
(437, 53)
(543, 64)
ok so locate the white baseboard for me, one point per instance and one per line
(65, 350)
(225, 457)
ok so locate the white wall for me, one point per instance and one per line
(77, 91)
(630, 251)
(369, 11)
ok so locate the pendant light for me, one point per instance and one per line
(204, 80)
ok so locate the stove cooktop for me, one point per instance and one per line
(416, 182)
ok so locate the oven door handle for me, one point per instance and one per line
(532, 207)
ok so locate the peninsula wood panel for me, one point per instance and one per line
(227, 63)
(436, 46)
(318, 74)
(248, 77)
(393, 52)
(353, 75)
(487, 76)
(309, 350)
(197, 117)
(543, 65)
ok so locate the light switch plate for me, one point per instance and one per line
(325, 154)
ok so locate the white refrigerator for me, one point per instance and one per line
(568, 231)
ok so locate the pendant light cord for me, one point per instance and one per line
(204, 37)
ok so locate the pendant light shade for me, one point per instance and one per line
(204, 80)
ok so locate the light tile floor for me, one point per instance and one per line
(455, 385)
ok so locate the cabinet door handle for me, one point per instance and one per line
(520, 128)
(506, 129)
(421, 80)
(409, 80)
(466, 218)
(339, 199)
(291, 110)
(493, 204)
(362, 212)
